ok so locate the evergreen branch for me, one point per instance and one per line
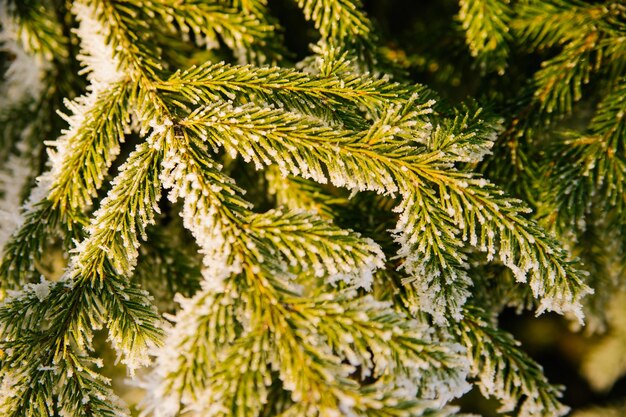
(336, 19)
(545, 24)
(36, 27)
(37, 302)
(303, 146)
(526, 249)
(23, 309)
(133, 322)
(256, 7)
(53, 356)
(74, 313)
(486, 24)
(249, 379)
(609, 121)
(86, 393)
(432, 257)
(265, 300)
(384, 344)
(271, 330)
(211, 82)
(88, 148)
(25, 114)
(559, 81)
(388, 406)
(248, 389)
(205, 326)
(467, 136)
(122, 218)
(138, 56)
(186, 381)
(323, 388)
(272, 136)
(214, 218)
(25, 248)
(584, 31)
(323, 384)
(302, 239)
(583, 165)
(73, 182)
(20, 399)
(306, 241)
(506, 372)
(246, 35)
(193, 170)
(590, 165)
(109, 253)
(296, 193)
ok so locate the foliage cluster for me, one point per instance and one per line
(257, 234)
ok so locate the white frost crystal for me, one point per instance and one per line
(100, 63)
(42, 290)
